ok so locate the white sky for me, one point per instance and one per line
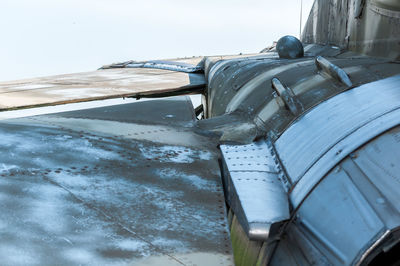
(47, 37)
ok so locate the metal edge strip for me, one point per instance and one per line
(381, 238)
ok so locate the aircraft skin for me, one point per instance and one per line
(288, 161)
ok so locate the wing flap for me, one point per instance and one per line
(96, 85)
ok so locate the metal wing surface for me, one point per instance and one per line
(129, 184)
(120, 80)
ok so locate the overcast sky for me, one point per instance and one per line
(47, 37)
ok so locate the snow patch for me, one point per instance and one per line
(166, 242)
(194, 180)
(132, 245)
(176, 154)
(79, 255)
(7, 167)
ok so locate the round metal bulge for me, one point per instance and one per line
(289, 47)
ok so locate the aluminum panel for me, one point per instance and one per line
(367, 182)
(333, 120)
(256, 192)
(379, 160)
(378, 198)
(352, 214)
(249, 158)
(340, 151)
(338, 219)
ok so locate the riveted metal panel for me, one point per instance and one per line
(103, 187)
(250, 158)
(254, 187)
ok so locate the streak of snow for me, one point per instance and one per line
(7, 167)
(130, 244)
(176, 154)
(194, 180)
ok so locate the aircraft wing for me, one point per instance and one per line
(128, 184)
(131, 79)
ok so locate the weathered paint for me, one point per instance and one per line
(76, 189)
(96, 85)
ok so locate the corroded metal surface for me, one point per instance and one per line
(104, 187)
